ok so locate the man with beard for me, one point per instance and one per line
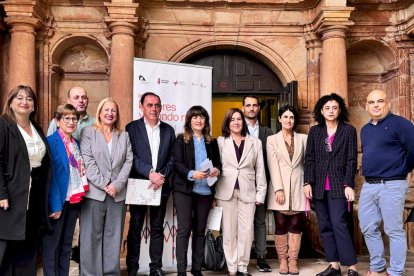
(251, 109)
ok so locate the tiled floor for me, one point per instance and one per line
(307, 267)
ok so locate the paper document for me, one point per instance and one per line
(139, 194)
(214, 218)
(207, 165)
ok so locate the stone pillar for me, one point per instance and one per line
(314, 50)
(334, 75)
(331, 24)
(22, 51)
(122, 24)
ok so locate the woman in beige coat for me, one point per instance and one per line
(286, 155)
(240, 188)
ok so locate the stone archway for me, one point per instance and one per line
(260, 51)
(243, 71)
(235, 74)
(79, 61)
(371, 65)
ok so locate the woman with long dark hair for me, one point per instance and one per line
(286, 158)
(24, 180)
(193, 196)
(330, 166)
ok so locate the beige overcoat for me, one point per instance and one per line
(286, 174)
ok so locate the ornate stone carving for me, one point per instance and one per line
(84, 58)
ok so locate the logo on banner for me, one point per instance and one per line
(161, 81)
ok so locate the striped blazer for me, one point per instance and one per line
(339, 164)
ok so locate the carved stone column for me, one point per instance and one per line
(122, 24)
(334, 75)
(22, 51)
(331, 23)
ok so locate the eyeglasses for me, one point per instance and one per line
(328, 146)
(67, 120)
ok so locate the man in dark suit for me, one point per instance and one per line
(152, 144)
(251, 109)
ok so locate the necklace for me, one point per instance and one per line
(106, 131)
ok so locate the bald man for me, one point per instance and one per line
(388, 150)
(79, 99)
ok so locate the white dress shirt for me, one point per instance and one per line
(36, 150)
(253, 130)
(35, 146)
(154, 141)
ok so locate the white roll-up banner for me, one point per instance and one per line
(180, 86)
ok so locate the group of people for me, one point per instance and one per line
(84, 164)
(46, 182)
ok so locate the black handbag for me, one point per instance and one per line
(214, 259)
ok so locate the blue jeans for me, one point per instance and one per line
(384, 202)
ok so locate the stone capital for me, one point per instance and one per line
(336, 31)
(328, 17)
(122, 18)
(24, 15)
(121, 27)
(23, 23)
(19, 7)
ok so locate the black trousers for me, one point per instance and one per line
(18, 258)
(192, 213)
(157, 215)
(333, 219)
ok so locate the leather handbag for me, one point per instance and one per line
(214, 259)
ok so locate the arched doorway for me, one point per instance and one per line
(236, 74)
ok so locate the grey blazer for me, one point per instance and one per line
(103, 168)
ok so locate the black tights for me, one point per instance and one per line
(288, 223)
